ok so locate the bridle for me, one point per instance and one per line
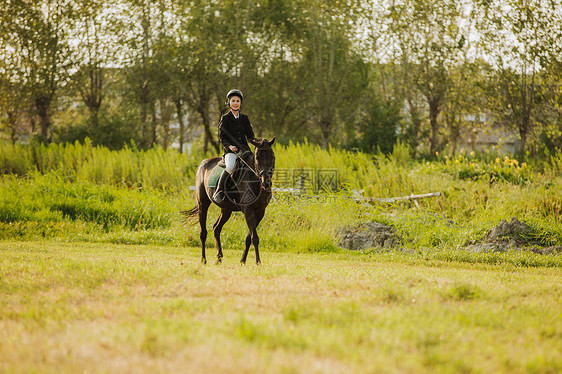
(262, 172)
(258, 173)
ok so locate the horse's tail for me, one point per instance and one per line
(189, 216)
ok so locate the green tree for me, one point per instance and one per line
(137, 25)
(271, 69)
(201, 62)
(14, 99)
(336, 75)
(379, 125)
(39, 51)
(429, 38)
(465, 99)
(93, 53)
(13, 105)
(517, 35)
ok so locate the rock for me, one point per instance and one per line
(514, 235)
(487, 247)
(508, 230)
(553, 250)
(368, 235)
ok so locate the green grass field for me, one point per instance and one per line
(97, 273)
(106, 308)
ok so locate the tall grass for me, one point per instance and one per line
(52, 198)
(159, 169)
(150, 169)
(134, 196)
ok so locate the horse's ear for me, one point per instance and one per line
(254, 142)
(272, 141)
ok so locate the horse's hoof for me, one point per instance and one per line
(243, 263)
(204, 261)
(219, 261)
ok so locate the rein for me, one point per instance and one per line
(245, 163)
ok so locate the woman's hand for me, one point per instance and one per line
(233, 148)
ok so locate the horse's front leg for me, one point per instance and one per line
(247, 248)
(217, 228)
(259, 217)
(252, 220)
(255, 240)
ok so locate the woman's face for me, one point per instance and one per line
(234, 103)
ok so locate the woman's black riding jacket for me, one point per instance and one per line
(235, 131)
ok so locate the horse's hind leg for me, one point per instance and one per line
(225, 215)
(203, 209)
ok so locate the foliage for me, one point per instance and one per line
(51, 198)
(36, 44)
(466, 167)
(158, 70)
(521, 38)
(82, 192)
(430, 39)
(127, 167)
(379, 128)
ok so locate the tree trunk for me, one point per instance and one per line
(92, 94)
(455, 143)
(454, 127)
(42, 107)
(144, 104)
(165, 136)
(166, 112)
(180, 121)
(153, 125)
(523, 134)
(94, 116)
(413, 132)
(32, 123)
(433, 114)
(13, 122)
(208, 138)
(325, 126)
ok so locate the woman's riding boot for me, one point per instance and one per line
(220, 194)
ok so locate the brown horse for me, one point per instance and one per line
(251, 196)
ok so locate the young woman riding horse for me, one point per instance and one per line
(253, 179)
(234, 129)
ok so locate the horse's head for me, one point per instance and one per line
(264, 160)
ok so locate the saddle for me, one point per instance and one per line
(219, 168)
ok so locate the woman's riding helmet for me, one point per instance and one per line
(234, 92)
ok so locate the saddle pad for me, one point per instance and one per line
(218, 169)
(214, 176)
